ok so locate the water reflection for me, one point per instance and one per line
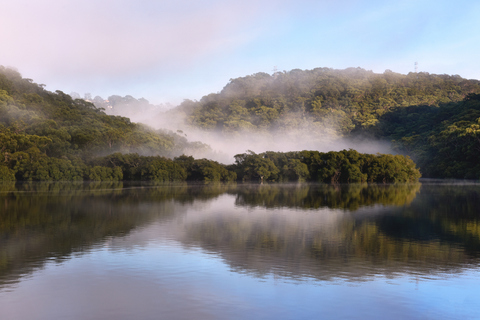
(312, 196)
(300, 230)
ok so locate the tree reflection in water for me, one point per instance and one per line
(294, 230)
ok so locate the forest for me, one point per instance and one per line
(347, 166)
(51, 136)
(443, 140)
(431, 120)
(350, 99)
(434, 119)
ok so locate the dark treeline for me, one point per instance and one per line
(332, 167)
(444, 141)
(346, 166)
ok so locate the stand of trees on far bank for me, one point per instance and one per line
(347, 166)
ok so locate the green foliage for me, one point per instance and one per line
(142, 168)
(350, 99)
(98, 173)
(346, 166)
(73, 126)
(205, 170)
(6, 174)
(252, 166)
(51, 136)
(444, 141)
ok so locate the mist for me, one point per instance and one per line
(225, 147)
(308, 135)
(292, 131)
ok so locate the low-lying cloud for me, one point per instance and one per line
(309, 135)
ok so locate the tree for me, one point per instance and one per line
(255, 167)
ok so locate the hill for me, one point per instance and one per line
(347, 100)
(443, 140)
(51, 136)
(432, 118)
(46, 136)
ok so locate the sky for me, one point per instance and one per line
(167, 51)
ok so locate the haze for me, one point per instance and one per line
(167, 51)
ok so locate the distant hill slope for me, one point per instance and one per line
(74, 126)
(444, 141)
(48, 135)
(346, 99)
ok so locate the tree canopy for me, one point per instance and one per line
(346, 166)
(444, 140)
(350, 99)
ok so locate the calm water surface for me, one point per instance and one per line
(299, 251)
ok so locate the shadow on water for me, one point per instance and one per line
(294, 230)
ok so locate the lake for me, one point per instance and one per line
(239, 251)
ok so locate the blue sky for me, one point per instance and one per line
(167, 51)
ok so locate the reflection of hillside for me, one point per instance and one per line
(41, 221)
(354, 231)
(444, 213)
(314, 196)
(425, 237)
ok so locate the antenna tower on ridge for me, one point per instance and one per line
(416, 67)
(275, 70)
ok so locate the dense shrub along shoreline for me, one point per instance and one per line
(346, 166)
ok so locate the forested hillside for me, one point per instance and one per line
(435, 119)
(444, 140)
(345, 99)
(50, 136)
(432, 118)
